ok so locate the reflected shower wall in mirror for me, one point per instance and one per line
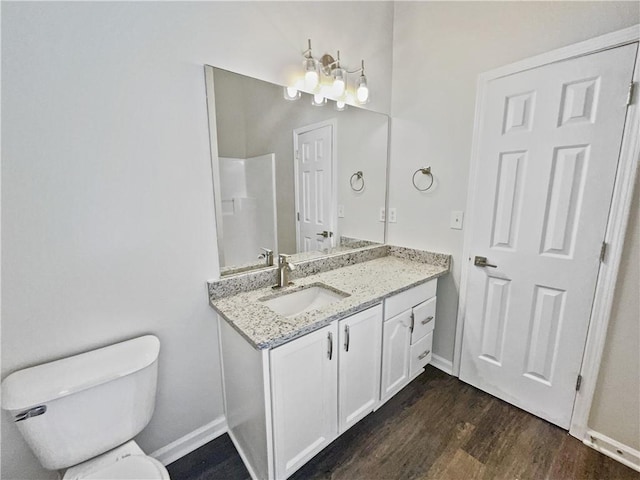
(284, 172)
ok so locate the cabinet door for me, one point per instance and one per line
(395, 354)
(304, 380)
(360, 338)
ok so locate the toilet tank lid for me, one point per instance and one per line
(49, 381)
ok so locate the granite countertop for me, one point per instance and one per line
(367, 283)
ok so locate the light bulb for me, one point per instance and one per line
(362, 90)
(311, 77)
(291, 93)
(311, 80)
(339, 82)
(318, 100)
(340, 105)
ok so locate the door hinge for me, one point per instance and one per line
(297, 154)
(603, 251)
(578, 383)
(632, 87)
(298, 215)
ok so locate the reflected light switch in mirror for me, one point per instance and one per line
(340, 211)
(456, 220)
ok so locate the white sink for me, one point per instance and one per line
(305, 300)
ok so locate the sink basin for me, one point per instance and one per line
(300, 301)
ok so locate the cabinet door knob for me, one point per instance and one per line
(426, 320)
(330, 345)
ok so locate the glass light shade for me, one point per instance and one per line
(291, 93)
(340, 105)
(362, 90)
(311, 76)
(318, 100)
(339, 82)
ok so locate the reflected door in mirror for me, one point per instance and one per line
(314, 187)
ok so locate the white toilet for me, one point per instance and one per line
(81, 413)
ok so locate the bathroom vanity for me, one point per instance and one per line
(303, 364)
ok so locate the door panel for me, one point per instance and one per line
(395, 354)
(548, 153)
(314, 186)
(360, 338)
(304, 375)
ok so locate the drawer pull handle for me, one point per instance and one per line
(424, 354)
(427, 320)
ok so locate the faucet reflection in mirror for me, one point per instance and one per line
(337, 86)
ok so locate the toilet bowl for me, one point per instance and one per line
(127, 462)
(80, 414)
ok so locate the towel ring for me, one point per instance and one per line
(424, 171)
(358, 176)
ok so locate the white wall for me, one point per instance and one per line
(107, 206)
(439, 50)
(615, 411)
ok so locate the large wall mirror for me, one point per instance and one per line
(289, 176)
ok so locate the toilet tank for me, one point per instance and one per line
(73, 409)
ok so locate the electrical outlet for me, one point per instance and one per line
(340, 211)
(392, 215)
(456, 220)
(382, 215)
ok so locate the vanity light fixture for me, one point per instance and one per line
(315, 72)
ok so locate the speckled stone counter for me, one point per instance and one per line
(367, 283)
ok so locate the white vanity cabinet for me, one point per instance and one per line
(409, 320)
(304, 393)
(286, 404)
(321, 384)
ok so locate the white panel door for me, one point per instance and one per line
(314, 188)
(360, 338)
(396, 338)
(304, 384)
(548, 152)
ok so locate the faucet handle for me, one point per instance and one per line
(283, 259)
(267, 255)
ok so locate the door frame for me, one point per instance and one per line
(333, 123)
(616, 223)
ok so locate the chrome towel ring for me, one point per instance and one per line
(424, 171)
(357, 176)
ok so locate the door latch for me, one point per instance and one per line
(482, 262)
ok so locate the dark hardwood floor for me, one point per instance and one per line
(436, 428)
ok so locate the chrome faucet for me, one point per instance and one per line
(284, 269)
(267, 255)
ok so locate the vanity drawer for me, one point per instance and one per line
(420, 354)
(424, 319)
(409, 298)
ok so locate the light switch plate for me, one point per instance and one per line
(456, 219)
(340, 211)
(392, 215)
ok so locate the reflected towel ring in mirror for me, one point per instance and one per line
(424, 171)
(358, 176)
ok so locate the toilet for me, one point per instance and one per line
(80, 413)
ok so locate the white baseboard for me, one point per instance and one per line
(244, 458)
(442, 364)
(614, 449)
(191, 441)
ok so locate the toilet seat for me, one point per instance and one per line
(133, 467)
